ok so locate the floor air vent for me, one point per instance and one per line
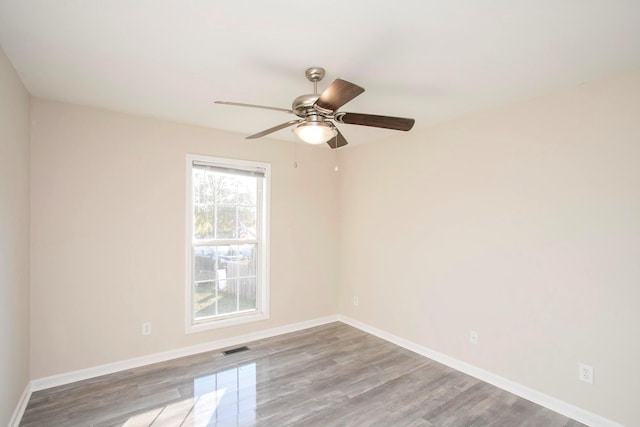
(235, 350)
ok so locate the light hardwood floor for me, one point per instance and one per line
(331, 375)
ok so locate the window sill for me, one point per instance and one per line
(226, 322)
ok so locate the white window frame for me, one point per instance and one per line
(262, 288)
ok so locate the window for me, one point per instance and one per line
(227, 228)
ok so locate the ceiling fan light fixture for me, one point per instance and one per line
(315, 132)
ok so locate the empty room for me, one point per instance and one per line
(356, 213)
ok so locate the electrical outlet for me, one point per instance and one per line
(585, 373)
(146, 328)
(356, 301)
(473, 337)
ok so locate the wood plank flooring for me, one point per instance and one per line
(331, 375)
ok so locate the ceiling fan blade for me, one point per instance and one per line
(264, 107)
(387, 122)
(336, 95)
(338, 141)
(273, 129)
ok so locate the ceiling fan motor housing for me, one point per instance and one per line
(302, 106)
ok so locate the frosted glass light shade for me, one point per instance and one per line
(315, 132)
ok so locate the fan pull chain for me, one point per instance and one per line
(295, 153)
(336, 149)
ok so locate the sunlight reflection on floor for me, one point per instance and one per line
(227, 397)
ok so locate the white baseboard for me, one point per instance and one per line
(20, 407)
(537, 397)
(109, 368)
(534, 396)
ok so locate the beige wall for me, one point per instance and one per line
(521, 223)
(14, 239)
(108, 226)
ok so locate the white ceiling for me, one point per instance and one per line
(427, 59)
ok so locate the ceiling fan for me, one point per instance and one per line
(316, 113)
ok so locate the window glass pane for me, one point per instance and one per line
(199, 185)
(226, 222)
(237, 260)
(249, 257)
(227, 189)
(204, 299)
(203, 220)
(228, 297)
(247, 220)
(205, 263)
(247, 191)
(248, 294)
(209, 191)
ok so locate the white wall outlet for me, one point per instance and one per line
(356, 301)
(146, 328)
(585, 373)
(473, 337)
